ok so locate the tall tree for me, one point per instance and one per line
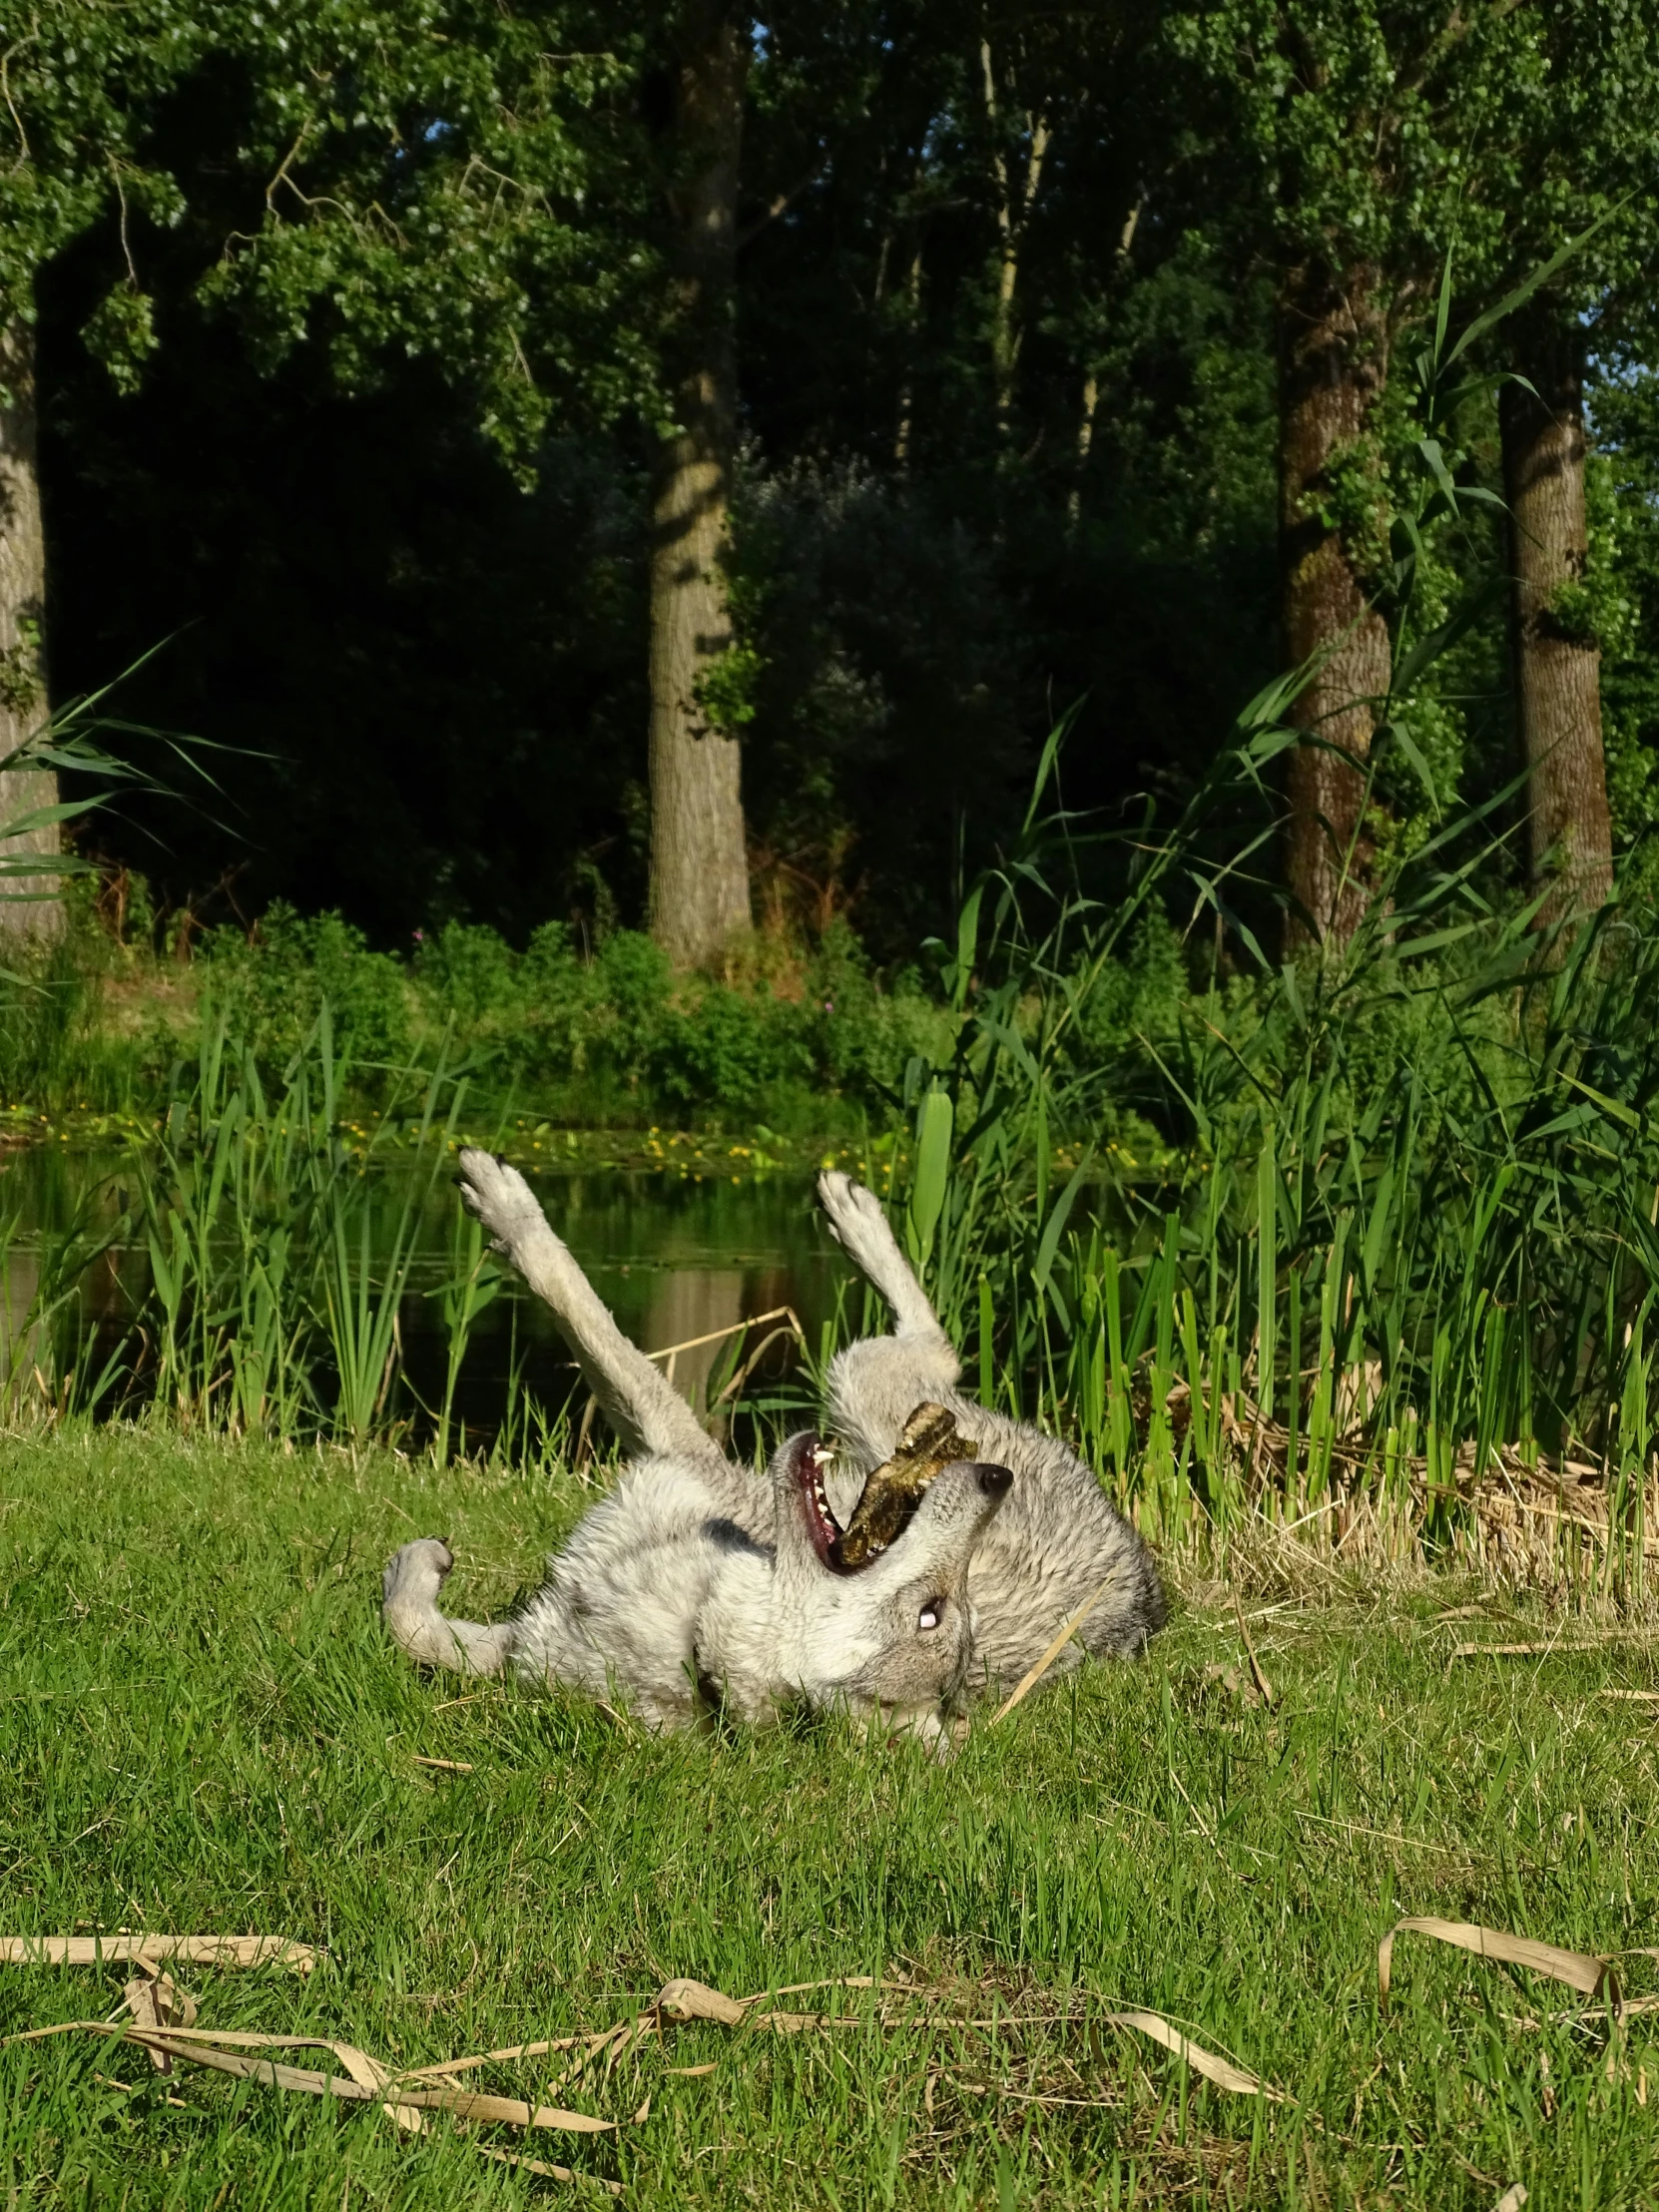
(541, 199)
(26, 794)
(1333, 367)
(699, 863)
(1360, 145)
(1557, 659)
(80, 81)
(545, 199)
(1580, 118)
(1019, 144)
(1292, 90)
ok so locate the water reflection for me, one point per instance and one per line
(677, 1262)
(18, 1288)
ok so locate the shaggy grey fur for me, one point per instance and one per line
(693, 1585)
(1058, 1539)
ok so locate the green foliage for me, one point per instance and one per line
(618, 1036)
(1354, 500)
(82, 82)
(21, 689)
(724, 690)
(1494, 133)
(121, 332)
(457, 184)
(273, 990)
(53, 1047)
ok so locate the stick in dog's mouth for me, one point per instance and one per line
(932, 1442)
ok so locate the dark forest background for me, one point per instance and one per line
(425, 647)
(441, 674)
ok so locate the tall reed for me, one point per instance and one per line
(1409, 1219)
(266, 1259)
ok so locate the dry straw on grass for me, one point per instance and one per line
(1057, 2065)
(1540, 1528)
(152, 1950)
(1514, 1518)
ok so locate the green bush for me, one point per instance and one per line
(615, 1037)
(271, 990)
(816, 1046)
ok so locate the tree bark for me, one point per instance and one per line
(1333, 362)
(1012, 218)
(1557, 660)
(30, 906)
(699, 863)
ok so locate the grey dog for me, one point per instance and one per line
(692, 1586)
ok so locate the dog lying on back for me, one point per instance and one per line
(968, 1539)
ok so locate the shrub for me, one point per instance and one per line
(271, 990)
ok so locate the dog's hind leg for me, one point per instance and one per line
(875, 1385)
(409, 1607)
(856, 1220)
(641, 1404)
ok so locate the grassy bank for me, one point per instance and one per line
(202, 1730)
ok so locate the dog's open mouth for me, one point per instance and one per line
(887, 1503)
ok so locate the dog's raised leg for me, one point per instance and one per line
(857, 1221)
(641, 1404)
(875, 1385)
(409, 1607)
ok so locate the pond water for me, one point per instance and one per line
(676, 1259)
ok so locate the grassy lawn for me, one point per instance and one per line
(200, 1729)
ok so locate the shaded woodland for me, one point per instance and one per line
(1002, 364)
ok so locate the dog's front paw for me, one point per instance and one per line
(940, 1736)
(498, 1198)
(415, 1575)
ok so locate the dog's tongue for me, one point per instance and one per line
(932, 1442)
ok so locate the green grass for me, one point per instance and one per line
(200, 1729)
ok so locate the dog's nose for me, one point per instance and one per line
(995, 1482)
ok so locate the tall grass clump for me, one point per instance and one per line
(1400, 1223)
(247, 1271)
(1405, 1224)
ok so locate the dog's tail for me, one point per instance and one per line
(638, 1400)
(409, 1607)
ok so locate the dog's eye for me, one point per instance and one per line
(928, 1618)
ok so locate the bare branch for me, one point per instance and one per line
(775, 205)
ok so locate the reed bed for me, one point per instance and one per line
(1393, 1290)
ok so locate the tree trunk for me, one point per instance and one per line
(1557, 660)
(1011, 219)
(1085, 440)
(29, 905)
(1333, 361)
(906, 390)
(699, 865)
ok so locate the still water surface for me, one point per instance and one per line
(674, 1258)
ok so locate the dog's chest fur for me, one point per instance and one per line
(660, 1585)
